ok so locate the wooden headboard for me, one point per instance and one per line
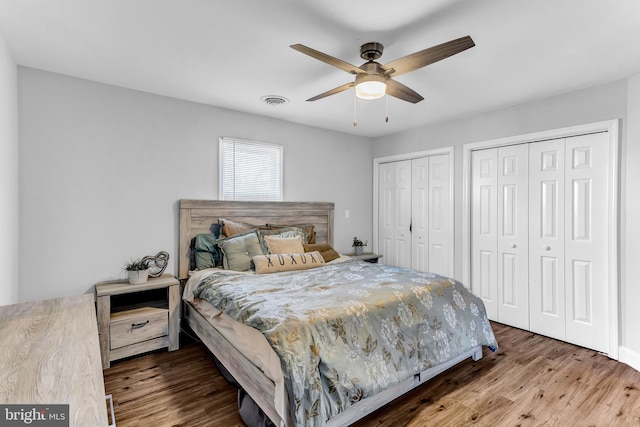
(197, 216)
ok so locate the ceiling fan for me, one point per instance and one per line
(374, 80)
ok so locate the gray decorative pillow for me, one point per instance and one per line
(281, 232)
(240, 249)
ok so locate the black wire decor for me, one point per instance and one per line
(157, 263)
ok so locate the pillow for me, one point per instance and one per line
(284, 245)
(231, 228)
(307, 228)
(206, 251)
(283, 232)
(274, 263)
(238, 250)
(326, 251)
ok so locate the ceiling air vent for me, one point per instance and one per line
(274, 100)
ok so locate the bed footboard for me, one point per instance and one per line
(370, 404)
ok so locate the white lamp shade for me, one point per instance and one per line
(370, 86)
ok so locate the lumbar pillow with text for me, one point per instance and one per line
(274, 263)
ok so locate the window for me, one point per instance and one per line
(250, 170)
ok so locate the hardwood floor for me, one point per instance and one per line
(530, 381)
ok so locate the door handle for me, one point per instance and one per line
(547, 248)
(514, 246)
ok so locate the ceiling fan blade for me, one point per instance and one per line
(403, 92)
(332, 92)
(427, 56)
(328, 59)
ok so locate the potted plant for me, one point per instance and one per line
(137, 271)
(358, 246)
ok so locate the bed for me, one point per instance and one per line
(261, 365)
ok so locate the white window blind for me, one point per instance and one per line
(250, 170)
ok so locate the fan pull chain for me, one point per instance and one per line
(386, 108)
(355, 109)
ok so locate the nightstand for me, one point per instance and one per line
(135, 319)
(368, 257)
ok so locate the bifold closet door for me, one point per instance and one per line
(420, 196)
(513, 235)
(415, 209)
(568, 240)
(539, 248)
(440, 216)
(500, 233)
(546, 238)
(394, 213)
(586, 243)
(484, 229)
(431, 211)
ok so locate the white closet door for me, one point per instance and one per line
(586, 251)
(420, 214)
(402, 226)
(440, 225)
(394, 213)
(546, 238)
(484, 244)
(415, 214)
(386, 203)
(513, 235)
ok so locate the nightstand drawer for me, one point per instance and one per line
(138, 325)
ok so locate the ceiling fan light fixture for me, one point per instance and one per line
(374, 80)
(370, 86)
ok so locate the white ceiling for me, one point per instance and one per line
(230, 53)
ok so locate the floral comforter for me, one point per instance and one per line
(347, 331)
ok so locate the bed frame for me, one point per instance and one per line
(197, 216)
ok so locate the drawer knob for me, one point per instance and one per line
(138, 325)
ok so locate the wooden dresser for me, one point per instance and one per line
(50, 355)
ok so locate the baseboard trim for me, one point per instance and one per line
(629, 357)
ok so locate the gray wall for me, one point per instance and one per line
(616, 100)
(102, 169)
(9, 239)
(630, 230)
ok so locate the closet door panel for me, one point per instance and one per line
(440, 226)
(402, 216)
(484, 229)
(546, 238)
(420, 214)
(586, 244)
(386, 210)
(513, 235)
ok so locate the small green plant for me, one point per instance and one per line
(138, 264)
(357, 242)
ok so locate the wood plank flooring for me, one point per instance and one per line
(530, 381)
